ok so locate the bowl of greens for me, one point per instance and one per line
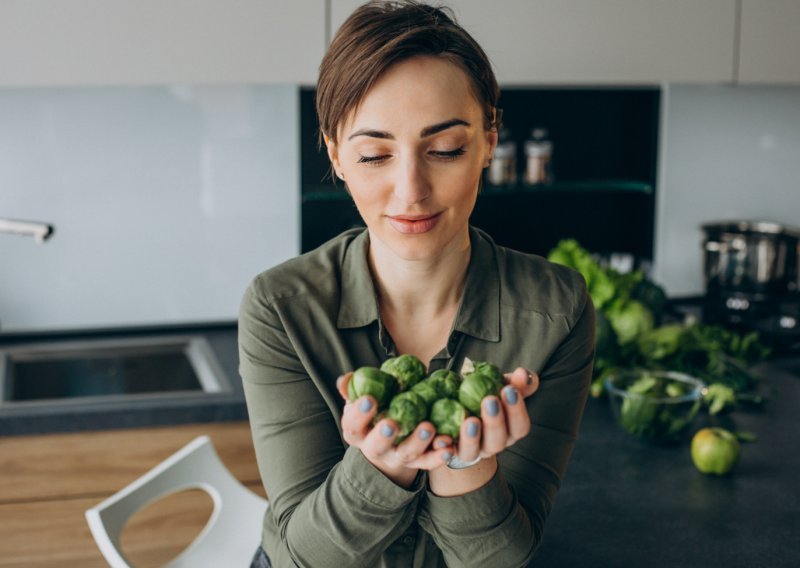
(656, 406)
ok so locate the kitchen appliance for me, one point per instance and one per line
(751, 279)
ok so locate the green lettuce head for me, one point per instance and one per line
(407, 409)
(407, 369)
(630, 319)
(374, 382)
(448, 415)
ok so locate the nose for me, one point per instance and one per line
(412, 185)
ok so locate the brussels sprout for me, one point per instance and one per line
(374, 382)
(440, 384)
(474, 388)
(447, 415)
(490, 371)
(407, 409)
(407, 369)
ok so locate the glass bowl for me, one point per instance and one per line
(656, 406)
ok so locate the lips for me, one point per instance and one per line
(414, 224)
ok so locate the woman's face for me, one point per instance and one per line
(412, 157)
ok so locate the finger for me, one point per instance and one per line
(341, 385)
(495, 433)
(433, 459)
(517, 420)
(416, 443)
(469, 442)
(380, 440)
(442, 442)
(526, 382)
(357, 418)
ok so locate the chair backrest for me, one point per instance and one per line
(233, 531)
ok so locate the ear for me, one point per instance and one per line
(492, 137)
(333, 154)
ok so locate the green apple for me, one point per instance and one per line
(715, 450)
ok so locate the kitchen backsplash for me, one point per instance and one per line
(726, 153)
(166, 201)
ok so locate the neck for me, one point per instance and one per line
(420, 288)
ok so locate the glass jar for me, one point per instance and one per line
(538, 158)
(503, 166)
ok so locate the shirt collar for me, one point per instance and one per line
(478, 315)
(359, 303)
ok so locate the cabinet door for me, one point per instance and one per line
(598, 41)
(770, 42)
(91, 42)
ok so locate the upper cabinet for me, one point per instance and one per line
(102, 42)
(531, 42)
(770, 42)
(598, 41)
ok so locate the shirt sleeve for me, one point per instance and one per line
(501, 523)
(330, 505)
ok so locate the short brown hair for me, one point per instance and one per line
(381, 33)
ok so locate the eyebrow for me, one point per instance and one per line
(424, 133)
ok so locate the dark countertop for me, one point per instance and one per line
(98, 413)
(625, 503)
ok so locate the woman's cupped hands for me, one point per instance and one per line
(504, 420)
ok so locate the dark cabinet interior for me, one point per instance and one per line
(605, 146)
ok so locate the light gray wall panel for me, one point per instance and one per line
(166, 201)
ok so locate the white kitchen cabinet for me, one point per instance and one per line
(598, 41)
(770, 42)
(124, 42)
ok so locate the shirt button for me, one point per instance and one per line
(409, 540)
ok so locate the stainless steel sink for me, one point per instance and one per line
(100, 371)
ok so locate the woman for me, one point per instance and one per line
(407, 107)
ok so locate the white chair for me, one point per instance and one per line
(233, 531)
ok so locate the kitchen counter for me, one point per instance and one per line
(625, 503)
(102, 413)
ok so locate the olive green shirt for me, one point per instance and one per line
(307, 321)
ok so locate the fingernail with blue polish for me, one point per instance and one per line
(424, 434)
(472, 429)
(447, 456)
(511, 395)
(387, 430)
(365, 405)
(492, 408)
(441, 444)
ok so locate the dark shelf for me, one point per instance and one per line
(604, 216)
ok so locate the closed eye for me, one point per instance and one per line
(450, 154)
(371, 159)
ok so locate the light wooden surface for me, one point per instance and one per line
(48, 482)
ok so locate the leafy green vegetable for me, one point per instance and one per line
(653, 407)
(598, 282)
(717, 397)
(630, 319)
(443, 383)
(408, 397)
(407, 409)
(448, 415)
(407, 369)
(630, 334)
(474, 388)
(374, 382)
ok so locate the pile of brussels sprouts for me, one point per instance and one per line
(408, 395)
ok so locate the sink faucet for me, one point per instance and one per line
(39, 231)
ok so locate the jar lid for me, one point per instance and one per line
(505, 150)
(536, 148)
